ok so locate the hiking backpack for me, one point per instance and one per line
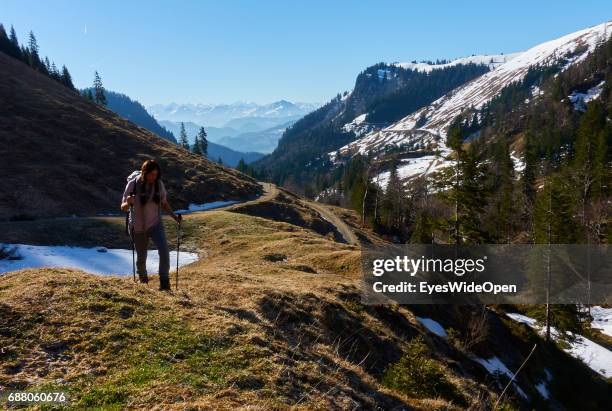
(129, 218)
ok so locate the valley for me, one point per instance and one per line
(280, 204)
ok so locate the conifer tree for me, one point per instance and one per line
(196, 146)
(34, 59)
(183, 141)
(5, 43)
(589, 158)
(47, 65)
(393, 200)
(66, 78)
(242, 166)
(53, 72)
(99, 94)
(502, 187)
(15, 49)
(202, 141)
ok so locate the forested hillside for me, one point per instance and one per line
(383, 92)
(135, 112)
(537, 156)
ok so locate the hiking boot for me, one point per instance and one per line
(164, 284)
(144, 279)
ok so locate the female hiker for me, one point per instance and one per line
(146, 192)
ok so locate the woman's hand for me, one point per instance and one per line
(128, 202)
(177, 217)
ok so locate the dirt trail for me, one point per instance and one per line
(342, 227)
(270, 193)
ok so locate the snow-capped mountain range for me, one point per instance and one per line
(434, 119)
(250, 116)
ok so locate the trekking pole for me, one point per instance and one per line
(133, 246)
(178, 246)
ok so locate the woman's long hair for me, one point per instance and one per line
(147, 167)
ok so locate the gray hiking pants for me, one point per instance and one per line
(141, 243)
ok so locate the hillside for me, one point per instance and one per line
(63, 155)
(534, 154)
(216, 151)
(264, 141)
(271, 319)
(213, 133)
(382, 93)
(428, 125)
(135, 112)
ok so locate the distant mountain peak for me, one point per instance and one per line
(222, 115)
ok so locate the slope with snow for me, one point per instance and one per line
(597, 357)
(492, 60)
(602, 319)
(434, 119)
(96, 260)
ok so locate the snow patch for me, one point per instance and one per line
(491, 60)
(206, 206)
(433, 326)
(413, 167)
(580, 100)
(519, 164)
(95, 260)
(602, 319)
(543, 390)
(597, 357)
(496, 367)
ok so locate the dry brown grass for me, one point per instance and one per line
(269, 318)
(63, 155)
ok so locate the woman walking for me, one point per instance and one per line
(148, 196)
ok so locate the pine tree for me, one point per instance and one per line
(34, 59)
(463, 187)
(589, 162)
(66, 78)
(15, 50)
(47, 65)
(203, 142)
(242, 166)
(196, 147)
(5, 43)
(183, 141)
(99, 94)
(53, 72)
(471, 196)
(502, 187)
(393, 200)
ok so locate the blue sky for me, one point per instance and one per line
(262, 51)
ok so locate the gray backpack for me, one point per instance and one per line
(129, 218)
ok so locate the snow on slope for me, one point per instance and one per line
(602, 319)
(492, 61)
(597, 357)
(435, 118)
(96, 260)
